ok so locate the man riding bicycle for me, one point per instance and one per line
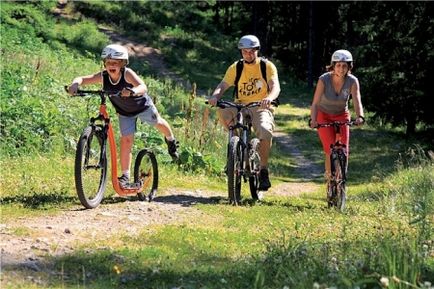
(251, 85)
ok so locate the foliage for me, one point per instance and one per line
(398, 88)
(301, 36)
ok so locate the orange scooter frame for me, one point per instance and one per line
(91, 158)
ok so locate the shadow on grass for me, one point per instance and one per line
(289, 260)
(188, 200)
(40, 200)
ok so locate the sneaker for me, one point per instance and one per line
(123, 181)
(264, 181)
(172, 147)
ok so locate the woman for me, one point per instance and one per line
(330, 102)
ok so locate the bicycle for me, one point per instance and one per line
(90, 168)
(336, 183)
(243, 160)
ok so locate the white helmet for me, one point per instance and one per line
(342, 55)
(249, 41)
(115, 51)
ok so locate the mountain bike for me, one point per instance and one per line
(91, 160)
(243, 161)
(336, 183)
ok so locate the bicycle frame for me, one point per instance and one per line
(243, 126)
(338, 152)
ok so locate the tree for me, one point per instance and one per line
(396, 61)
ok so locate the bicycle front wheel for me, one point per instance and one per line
(90, 167)
(255, 166)
(233, 170)
(146, 173)
(340, 190)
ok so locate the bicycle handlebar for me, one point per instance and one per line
(109, 93)
(335, 123)
(226, 104)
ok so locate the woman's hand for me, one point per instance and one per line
(360, 120)
(313, 123)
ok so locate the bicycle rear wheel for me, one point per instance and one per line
(90, 167)
(255, 166)
(146, 173)
(233, 168)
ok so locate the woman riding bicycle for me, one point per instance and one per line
(330, 102)
(251, 87)
(134, 103)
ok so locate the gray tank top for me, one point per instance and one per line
(332, 102)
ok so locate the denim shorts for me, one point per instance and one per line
(127, 124)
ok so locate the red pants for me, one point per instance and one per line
(327, 135)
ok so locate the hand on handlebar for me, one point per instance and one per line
(126, 92)
(266, 102)
(212, 100)
(72, 89)
(359, 121)
(313, 123)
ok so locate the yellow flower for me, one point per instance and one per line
(117, 269)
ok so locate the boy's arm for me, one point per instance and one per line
(84, 80)
(139, 87)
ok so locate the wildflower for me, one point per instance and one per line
(117, 269)
(384, 281)
(396, 279)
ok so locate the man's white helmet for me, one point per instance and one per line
(249, 41)
(115, 51)
(342, 55)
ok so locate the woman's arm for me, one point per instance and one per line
(357, 101)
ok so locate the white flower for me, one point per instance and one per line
(384, 282)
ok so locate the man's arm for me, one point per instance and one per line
(218, 93)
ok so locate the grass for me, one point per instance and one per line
(294, 242)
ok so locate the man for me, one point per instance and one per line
(251, 86)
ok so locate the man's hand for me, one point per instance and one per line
(213, 101)
(266, 102)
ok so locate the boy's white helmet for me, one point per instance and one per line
(342, 55)
(249, 41)
(115, 51)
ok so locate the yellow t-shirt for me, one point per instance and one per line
(251, 86)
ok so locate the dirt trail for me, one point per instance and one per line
(25, 243)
